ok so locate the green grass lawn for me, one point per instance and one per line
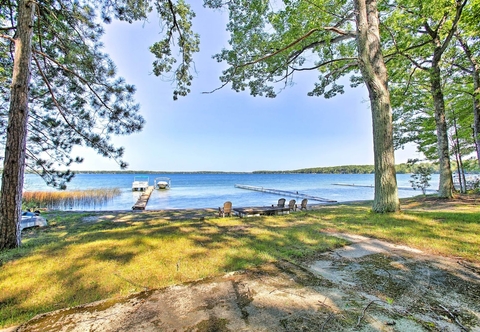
(76, 260)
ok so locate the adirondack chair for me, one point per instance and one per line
(281, 202)
(303, 205)
(292, 205)
(226, 210)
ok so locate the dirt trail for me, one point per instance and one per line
(369, 285)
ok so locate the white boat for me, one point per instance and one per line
(162, 183)
(32, 219)
(140, 183)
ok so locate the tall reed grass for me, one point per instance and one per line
(69, 199)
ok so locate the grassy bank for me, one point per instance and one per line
(83, 257)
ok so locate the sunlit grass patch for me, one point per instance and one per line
(84, 257)
(72, 261)
(442, 232)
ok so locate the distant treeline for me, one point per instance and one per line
(347, 169)
(147, 172)
(403, 168)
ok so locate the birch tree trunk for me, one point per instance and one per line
(374, 73)
(14, 163)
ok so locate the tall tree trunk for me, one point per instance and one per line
(14, 163)
(476, 93)
(462, 183)
(445, 187)
(374, 73)
(458, 157)
(476, 108)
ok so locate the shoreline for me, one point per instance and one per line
(188, 210)
(211, 191)
(401, 168)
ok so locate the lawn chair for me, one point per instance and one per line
(226, 210)
(281, 202)
(303, 205)
(292, 205)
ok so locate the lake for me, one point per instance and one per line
(211, 190)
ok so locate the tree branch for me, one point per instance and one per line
(7, 37)
(84, 81)
(60, 109)
(174, 18)
(363, 314)
(343, 19)
(351, 64)
(296, 41)
(468, 53)
(343, 35)
(176, 26)
(458, 13)
(403, 52)
(335, 40)
(462, 68)
(341, 69)
(341, 31)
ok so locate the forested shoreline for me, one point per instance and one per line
(403, 168)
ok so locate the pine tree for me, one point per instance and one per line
(62, 91)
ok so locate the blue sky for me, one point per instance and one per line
(226, 130)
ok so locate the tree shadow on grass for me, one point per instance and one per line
(235, 243)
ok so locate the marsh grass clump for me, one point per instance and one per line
(69, 199)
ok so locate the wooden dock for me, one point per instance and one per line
(353, 185)
(285, 193)
(143, 199)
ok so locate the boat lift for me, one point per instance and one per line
(162, 183)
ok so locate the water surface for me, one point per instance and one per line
(196, 190)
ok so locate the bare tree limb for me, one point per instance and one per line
(454, 317)
(363, 314)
